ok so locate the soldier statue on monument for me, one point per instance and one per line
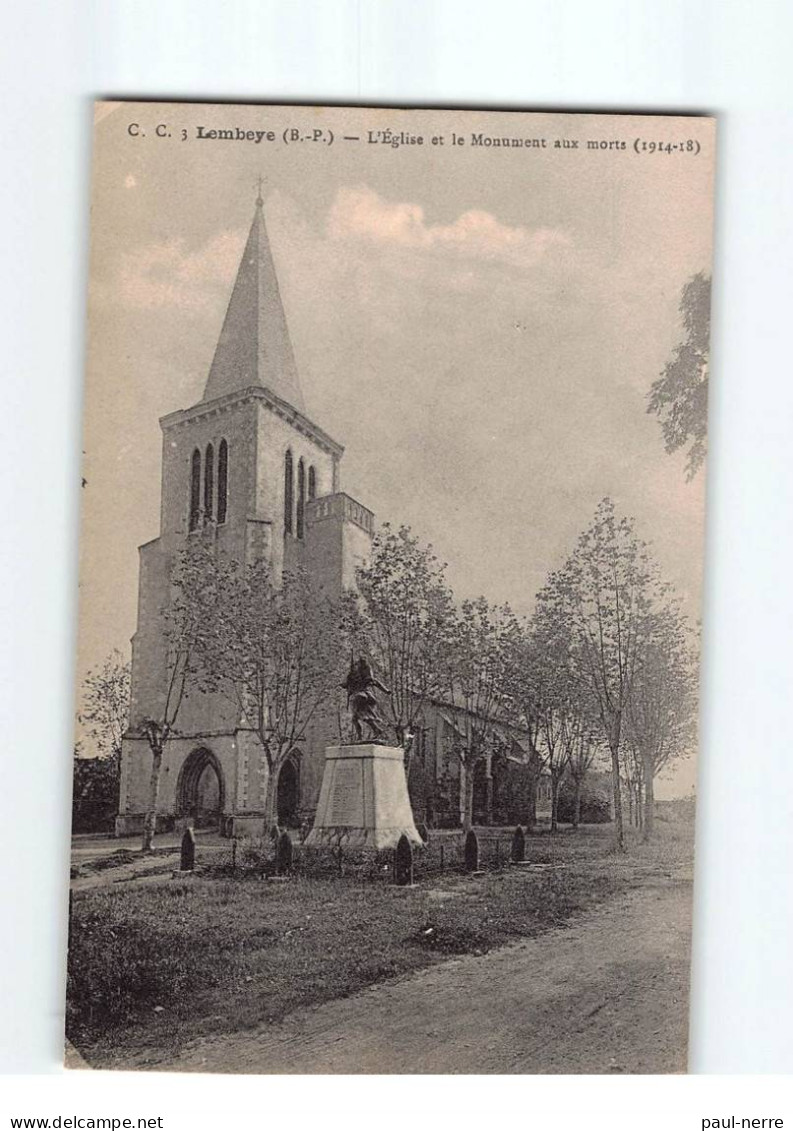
(362, 702)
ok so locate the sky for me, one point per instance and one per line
(479, 327)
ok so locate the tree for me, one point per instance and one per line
(277, 652)
(603, 596)
(105, 705)
(180, 620)
(547, 695)
(405, 621)
(662, 712)
(482, 681)
(633, 779)
(584, 752)
(104, 718)
(679, 397)
(95, 785)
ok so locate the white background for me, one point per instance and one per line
(732, 58)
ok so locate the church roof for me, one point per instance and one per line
(254, 348)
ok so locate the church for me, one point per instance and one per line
(248, 471)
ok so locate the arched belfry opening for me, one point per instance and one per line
(288, 793)
(200, 790)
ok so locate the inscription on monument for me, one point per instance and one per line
(347, 796)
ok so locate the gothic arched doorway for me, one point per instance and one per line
(200, 791)
(288, 794)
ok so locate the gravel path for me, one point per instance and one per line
(607, 994)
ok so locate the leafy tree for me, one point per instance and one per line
(105, 705)
(679, 397)
(277, 652)
(104, 718)
(633, 780)
(547, 696)
(180, 620)
(662, 712)
(583, 755)
(95, 785)
(604, 596)
(483, 682)
(405, 623)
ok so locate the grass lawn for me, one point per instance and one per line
(160, 964)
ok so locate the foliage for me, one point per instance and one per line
(594, 802)
(482, 681)
(104, 714)
(104, 718)
(181, 622)
(95, 789)
(604, 597)
(404, 623)
(95, 780)
(679, 397)
(661, 721)
(276, 651)
(556, 708)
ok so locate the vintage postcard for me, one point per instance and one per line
(390, 588)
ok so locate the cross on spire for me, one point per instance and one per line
(259, 183)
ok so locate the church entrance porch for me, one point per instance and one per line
(200, 790)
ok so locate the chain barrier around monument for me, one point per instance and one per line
(289, 854)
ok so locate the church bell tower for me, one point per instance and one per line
(248, 471)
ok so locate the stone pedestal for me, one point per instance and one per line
(364, 799)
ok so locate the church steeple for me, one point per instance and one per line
(254, 347)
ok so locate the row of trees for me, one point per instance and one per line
(606, 664)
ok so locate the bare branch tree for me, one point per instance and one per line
(482, 681)
(180, 620)
(277, 652)
(405, 621)
(604, 596)
(105, 705)
(662, 712)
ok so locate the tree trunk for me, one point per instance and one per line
(649, 800)
(531, 808)
(468, 797)
(270, 794)
(150, 820)
(554, 803)
(619, 828)
(577, 803)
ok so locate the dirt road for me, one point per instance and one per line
(608, 994)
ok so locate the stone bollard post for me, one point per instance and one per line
(187, 862)
(283, 854)
(471, 854)
(403, 863)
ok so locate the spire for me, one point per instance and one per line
(254, 347)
